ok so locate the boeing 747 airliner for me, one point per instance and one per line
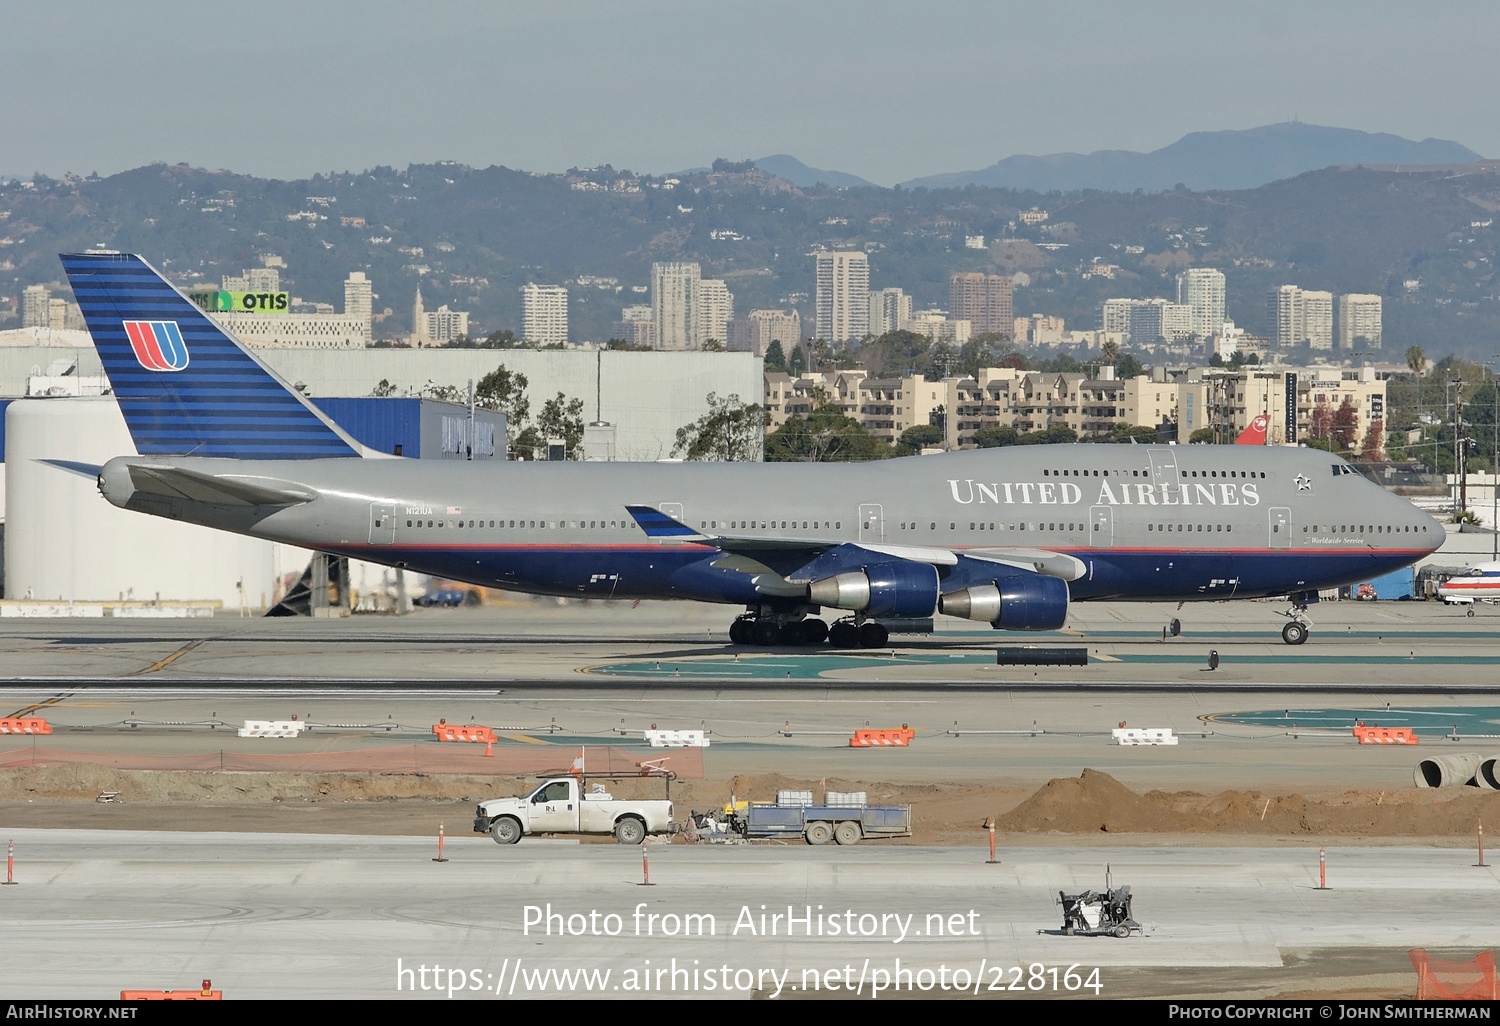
(1005, 536)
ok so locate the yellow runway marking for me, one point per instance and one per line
(523, 737)
(184, 650)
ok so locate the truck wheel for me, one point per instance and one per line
(819, 832)
(630, 831)
(506, 830)
(847, 832)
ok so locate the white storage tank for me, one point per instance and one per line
(64, 541)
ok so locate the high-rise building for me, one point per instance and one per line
(1145, 321)
(253, 279)
(636, 327)
(544, 314)
(890, 310)
(755, 332)
(1299, 315)
(1201, 289)
(1284, 315)
(1359, 324)
(843, 296)
(359, 299)
(1317, 318)
(444, 325)
(674, 305)
(984, 300)
(36, 307)
(715, 311)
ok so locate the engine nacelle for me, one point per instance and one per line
(901, 590)
(1023, 602)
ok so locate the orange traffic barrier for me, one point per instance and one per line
(473, 733)
(1440, 980)
(207, 993)
(24, 725)
(1385, 735)
(882, 738)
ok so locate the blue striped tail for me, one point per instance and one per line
(213, 398)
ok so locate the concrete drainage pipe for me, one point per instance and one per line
(1449, 770)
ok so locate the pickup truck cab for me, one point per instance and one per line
(560, 806)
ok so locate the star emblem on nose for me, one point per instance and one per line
(1304, 483)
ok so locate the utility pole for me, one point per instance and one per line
(1460, 451)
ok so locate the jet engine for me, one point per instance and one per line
(1022, 602)
(901, 590)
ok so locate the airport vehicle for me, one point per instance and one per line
(824, 823)
(1480, 583)
(1098, 913)
(1006, 536)
(560, 806)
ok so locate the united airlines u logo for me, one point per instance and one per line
(158, 345)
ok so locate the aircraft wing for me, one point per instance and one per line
(783, 556)
(177, 483)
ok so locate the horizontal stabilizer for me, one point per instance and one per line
(657, 524)
(176, 483)
(74, 467)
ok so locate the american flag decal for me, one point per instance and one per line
(158, 345)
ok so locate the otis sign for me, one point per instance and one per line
(1117, 493)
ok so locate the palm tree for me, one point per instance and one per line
(1416, 360)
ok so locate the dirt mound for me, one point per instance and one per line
(1097, 802)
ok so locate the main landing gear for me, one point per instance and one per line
(769, 632)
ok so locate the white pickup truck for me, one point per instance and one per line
(558, 806)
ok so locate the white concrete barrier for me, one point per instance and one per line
(50, 609)
(1146, 736)
(676, 738)
(271, 728)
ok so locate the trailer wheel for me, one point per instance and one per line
(506, 830)
(847, 832)
(630, 831)
(1122, 931)
(819, 832)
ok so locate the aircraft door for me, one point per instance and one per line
(1101, 527)
(1163, 466)
(871, 523)
(382, 523)
(1281, 529)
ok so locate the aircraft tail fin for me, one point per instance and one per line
(185, 386)
(1255, 434)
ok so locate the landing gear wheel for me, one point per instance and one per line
(819, 832)
(1294, 633)
(1470, 612)
(767, 633)
(847, 832)
(813, 631)
(872, 635)
(843, 635)
(739, 632)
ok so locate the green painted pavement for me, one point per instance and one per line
(1469, 720)
(801, 667)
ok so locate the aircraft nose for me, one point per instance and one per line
(1435, 535)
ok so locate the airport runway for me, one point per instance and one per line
(316, 916)
(328, 915)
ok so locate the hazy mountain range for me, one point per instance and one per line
(1199, 160)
